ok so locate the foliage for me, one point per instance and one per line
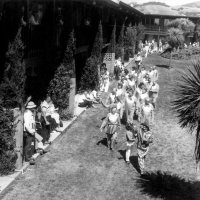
(183, 54)
(175, 37)
(59, 87)
(120, 43)
(90, 79)
(8, 156)
(181, 23)
(12, 88)
(139, 35)
(187, 101)
(98, 44)
(90, 76)
(130, 40)
(197, 32)
(112, 46)
(12, 94)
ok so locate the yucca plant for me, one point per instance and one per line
(187, 103)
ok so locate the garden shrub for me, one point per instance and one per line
(8, 155)
(183, 54)
(59, 87)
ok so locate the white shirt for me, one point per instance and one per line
(29, 122)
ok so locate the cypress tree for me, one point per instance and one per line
(12, 94)
(90, 76)
(59, 87)
(112, 46)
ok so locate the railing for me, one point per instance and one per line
(149, 28)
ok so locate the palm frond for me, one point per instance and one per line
(187, 100)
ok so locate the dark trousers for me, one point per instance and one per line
(28, 147)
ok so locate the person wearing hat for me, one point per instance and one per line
(29, 131)
(112, 124)
(131, 135)
(145, 138)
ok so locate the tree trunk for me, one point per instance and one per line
(18, 114)
(170, 60)
(72, 95)
(122, 53)
(198, 170)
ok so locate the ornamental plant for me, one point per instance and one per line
(12, 94)
(90, 76)
(112, 46)
(120, 44)
(59, 87)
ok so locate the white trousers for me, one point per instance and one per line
(128, 150)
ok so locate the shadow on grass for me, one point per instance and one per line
(133, 159)
(168, 186)
(163, 66)
(103, 142)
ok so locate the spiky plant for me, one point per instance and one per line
(187, 101)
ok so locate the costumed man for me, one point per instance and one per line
(145, 138)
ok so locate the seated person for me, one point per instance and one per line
(51, 113)
(42, 126)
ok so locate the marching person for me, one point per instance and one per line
(130, 106)
(145, 138)
(112, 124)
(131, 135)
(155, 73)
(105, 77)
(153, 92)
(147, 113)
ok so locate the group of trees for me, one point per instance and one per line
(178, 30)
(12, 87)
(128, 41)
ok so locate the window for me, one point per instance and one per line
(157, 21)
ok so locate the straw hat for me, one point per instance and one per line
(31, 105)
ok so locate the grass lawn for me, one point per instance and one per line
(80, 167)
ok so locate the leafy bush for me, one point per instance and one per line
(12, 88)
(183, 54)
(8, 155)
(59, 87)
(89, 79)
(90, 76)
(12, 94)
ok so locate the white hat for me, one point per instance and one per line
(31, 105)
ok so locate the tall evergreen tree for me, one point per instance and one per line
(120, 44)
(59, 87)
(12, 89)
(112, 45)
(12, 94)
(90, 76)
(140, 35)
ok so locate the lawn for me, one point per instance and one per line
(80, 167)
